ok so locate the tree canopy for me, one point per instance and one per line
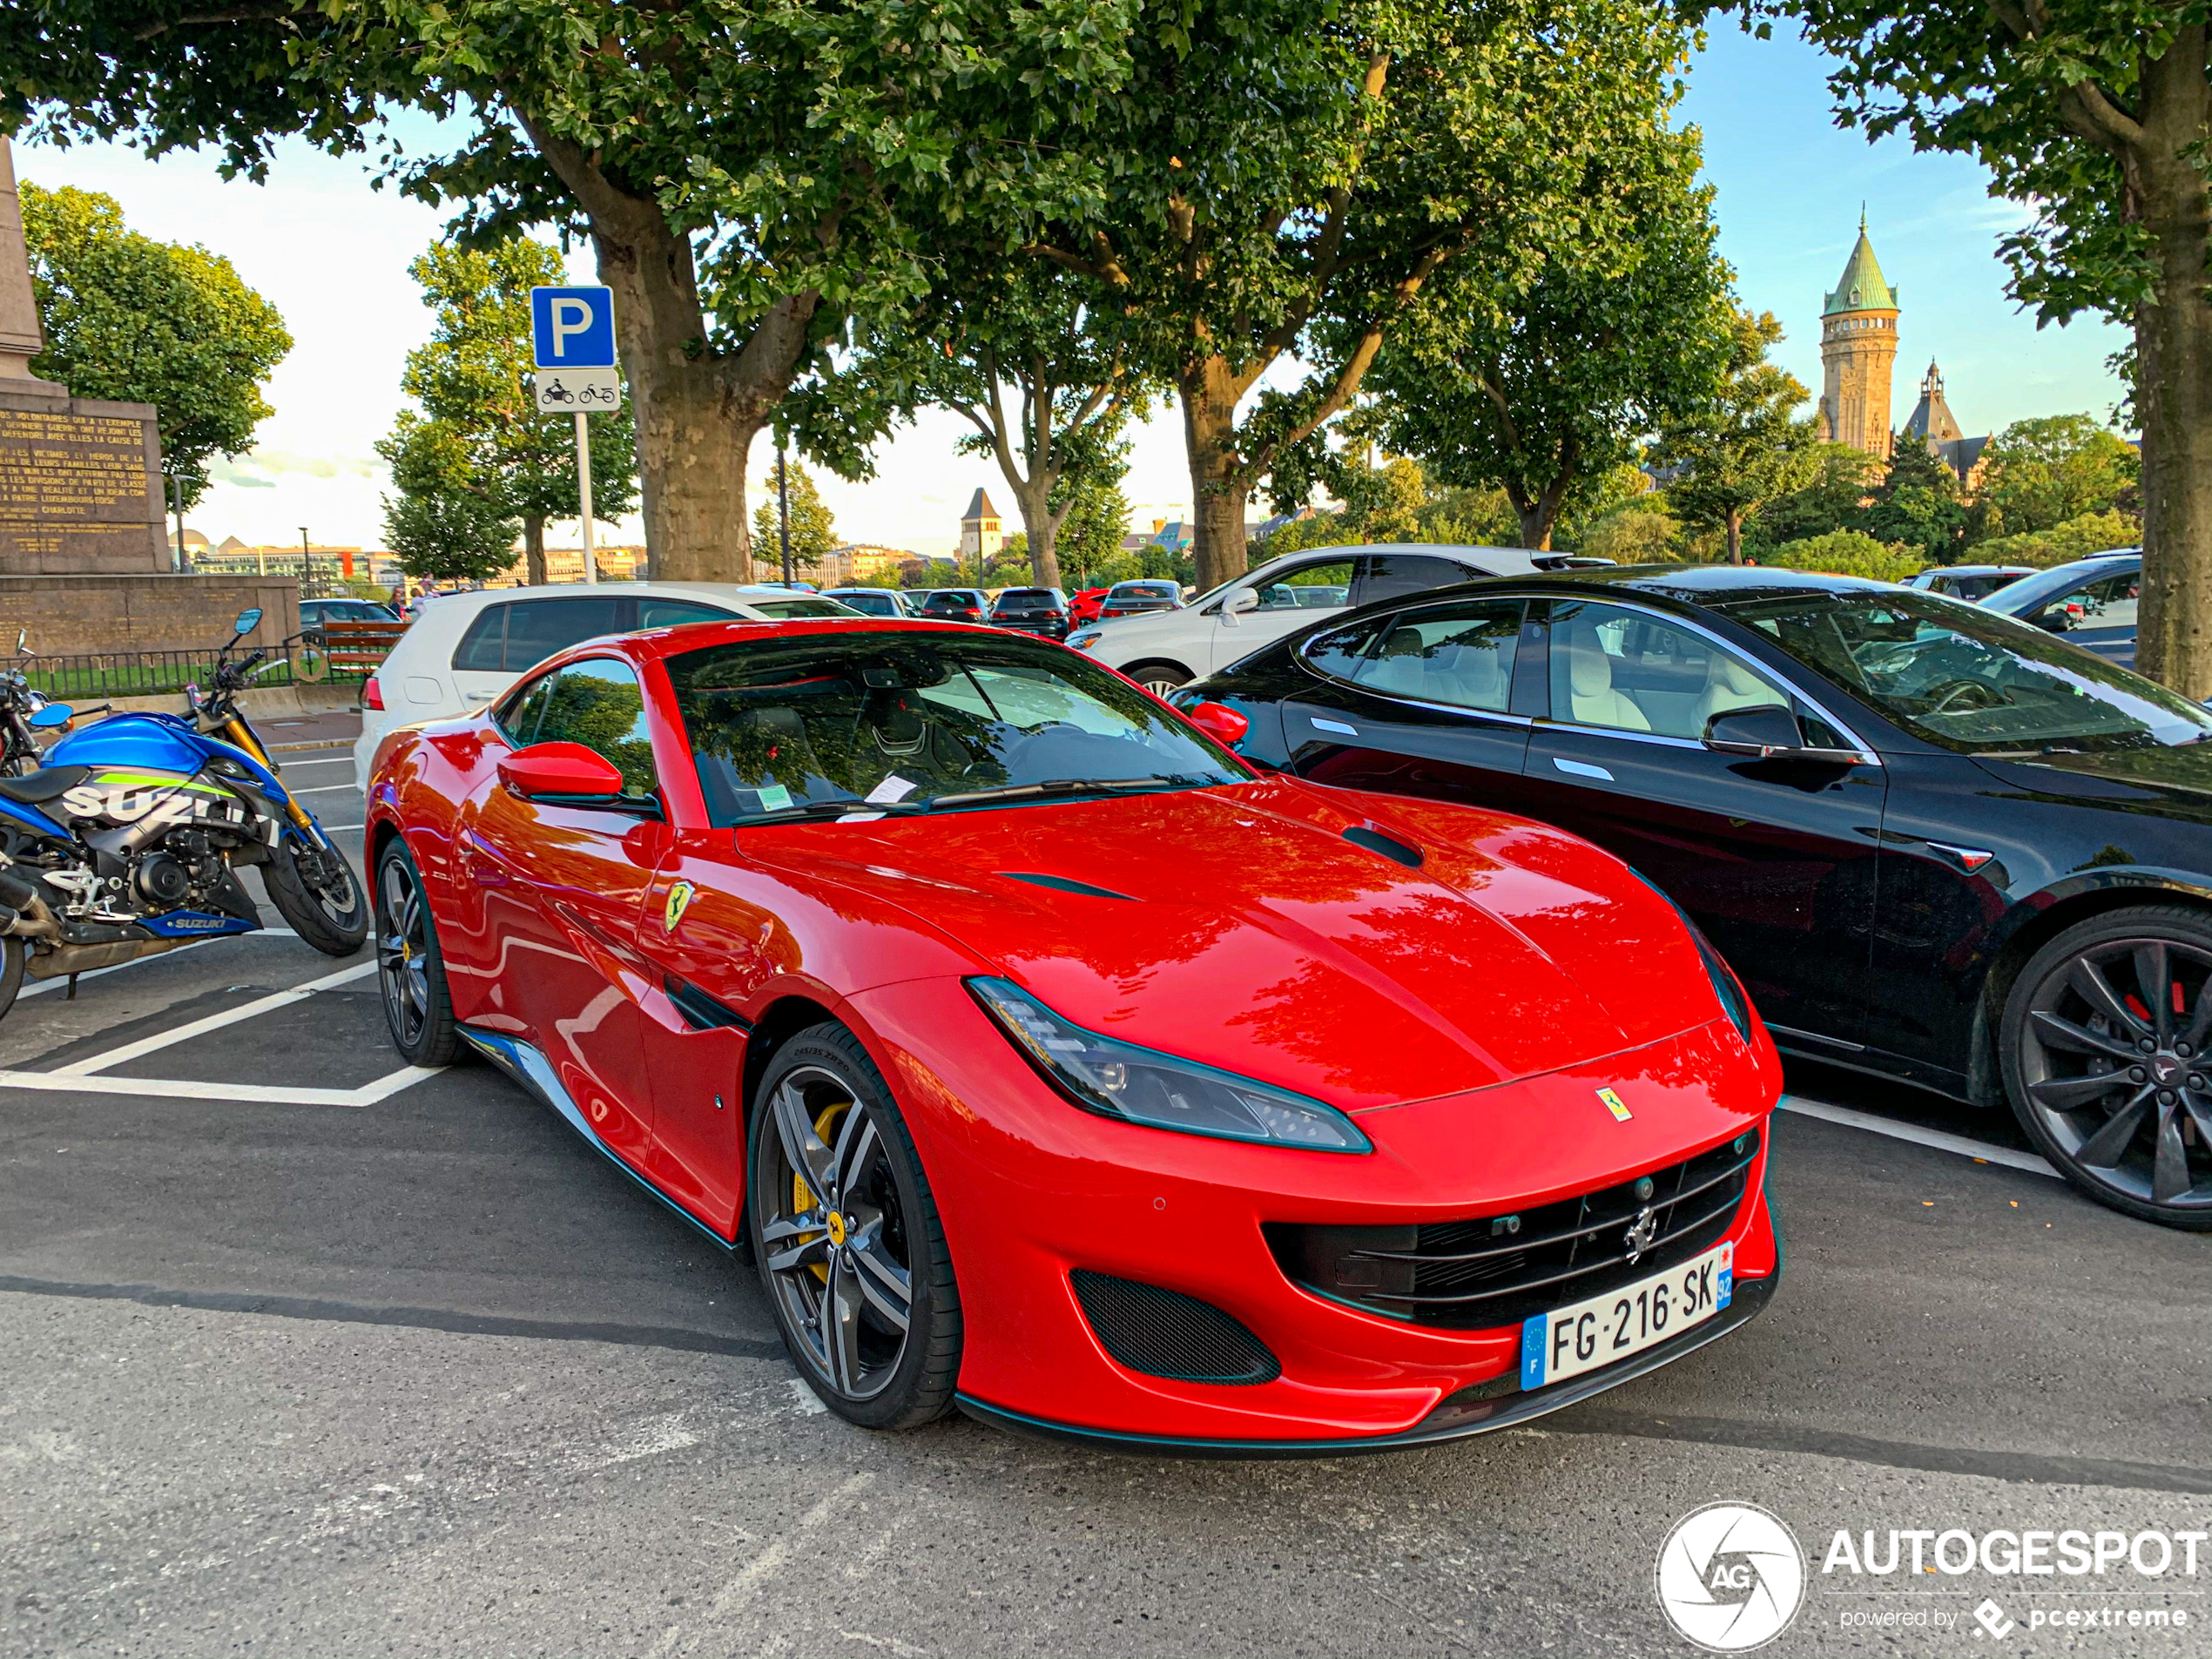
(134, 320)
(813, 532)
(1743, 444)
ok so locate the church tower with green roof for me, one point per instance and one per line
(1858, 348)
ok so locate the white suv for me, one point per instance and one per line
(1165, 649)
(468, 648)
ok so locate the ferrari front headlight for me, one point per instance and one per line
(1116, 1079)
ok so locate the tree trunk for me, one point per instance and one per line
(1735, 525)
(1218, 488)
(534, 549)
(697, 414)
(2173, 378)
(1040, 524)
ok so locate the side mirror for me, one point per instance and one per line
(1220, 721)
(567, 769)
(1760, 731)
(1236, 604)
(22, 634)
(248, 620)
(54, 714)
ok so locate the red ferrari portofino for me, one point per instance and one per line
(1051, 1060)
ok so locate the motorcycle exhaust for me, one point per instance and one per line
(64, 960)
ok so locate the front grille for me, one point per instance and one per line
(1165, 1334)
(1497, 1270)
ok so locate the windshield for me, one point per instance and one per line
(889, 722)
(2031, 592)
(1958, 676)
(1029, 599)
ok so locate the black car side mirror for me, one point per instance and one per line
(1764, 731)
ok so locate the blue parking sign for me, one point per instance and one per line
(573, 327)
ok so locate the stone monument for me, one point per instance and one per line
(80, 481)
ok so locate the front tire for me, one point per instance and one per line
(318, 892)
(2103, 1041)
(1158, 677)
(410, 968)
(847, 1238)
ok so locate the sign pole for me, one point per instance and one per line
(783, 508)
(584, 491)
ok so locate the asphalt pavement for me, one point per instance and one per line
(305, 1352)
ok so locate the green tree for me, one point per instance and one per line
(1090, 535)
(1743, 445)
(436, 524)
(1848, 553)
(2062, 544)
(1542, 387)
(1289, 176)
(478, 429)
(2039, 474)
(2099, 114)
(1917, 505)
(813, 533)
(136, 321)
(1839, 481)
(750, 175)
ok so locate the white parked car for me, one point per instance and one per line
(468, 648)
(1165, 649)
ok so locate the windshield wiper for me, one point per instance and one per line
(804, 811)
(1061, 786)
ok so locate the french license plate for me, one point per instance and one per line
(1570, 1341)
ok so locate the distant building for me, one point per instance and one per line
(1173, 534)
(981, 532)
(865, 562)
(1933, 422)
(1857, 351)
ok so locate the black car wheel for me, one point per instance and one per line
(2104, 1040)
(847, 1236)
(1159, 678)
(410, 968)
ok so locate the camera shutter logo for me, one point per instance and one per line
(1730, 1577)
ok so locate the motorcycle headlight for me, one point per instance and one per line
(1116, 1079)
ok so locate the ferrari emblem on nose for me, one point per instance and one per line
(1614, 1104)
(1641, 1233)
(680, 900)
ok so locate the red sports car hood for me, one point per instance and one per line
(1241, 927)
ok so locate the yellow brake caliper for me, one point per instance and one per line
(802, 1195)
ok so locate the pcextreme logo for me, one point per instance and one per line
(1730, 1577)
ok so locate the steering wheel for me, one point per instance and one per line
(1966, 694)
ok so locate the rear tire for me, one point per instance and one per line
(333, 918)
(847, 1236)
(410, 968)
(1159, 678)
(2103, 1043)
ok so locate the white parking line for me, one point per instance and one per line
(182, 1089)
(1965, 1146)
(39, 988)
(325, 789)
(161, 1039)
(335, 761)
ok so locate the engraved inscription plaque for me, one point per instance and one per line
(80, 488)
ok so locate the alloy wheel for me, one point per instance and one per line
(402, 950)
(835, 1246)
(2112, 1062)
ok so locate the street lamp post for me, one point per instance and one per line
(783, 507)
(306, 562)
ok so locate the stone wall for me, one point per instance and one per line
(67, 616)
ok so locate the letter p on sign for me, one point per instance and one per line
(573, 327)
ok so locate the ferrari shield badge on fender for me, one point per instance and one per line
(680, 900)
(1613, 1103)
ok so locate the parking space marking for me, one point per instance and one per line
(213, 1022)
(323, 789)
(1964, 1145)
(185, 1089)
(60, 981)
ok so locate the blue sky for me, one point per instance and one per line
(331, 255)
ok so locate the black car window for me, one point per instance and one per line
(596, 703)
(509, 639)
(949, 600)
(1325, 585)
(1462, 655)
(1631, 671)
(2031, 593)
(1340, 651)
(903, 719)
(1968, 679)
(1390, 576)
(876, 605)
(1028, 599)
(2109, 603)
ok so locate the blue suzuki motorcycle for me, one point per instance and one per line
(127, 838)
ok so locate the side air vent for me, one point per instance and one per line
(1061, 884)
(700, 1011)
(1165, 1334)
(1389, 845)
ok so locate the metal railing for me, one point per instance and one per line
(90, 676)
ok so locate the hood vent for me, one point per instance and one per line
(1389, 845)
(1061, 884)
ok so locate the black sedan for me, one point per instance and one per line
(1934, 842)
(2091, 601)
(1043, 611)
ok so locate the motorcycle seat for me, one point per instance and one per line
(43, 785)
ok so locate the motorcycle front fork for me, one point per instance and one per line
(234, 730)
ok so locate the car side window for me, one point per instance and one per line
(1460, 655)
(519, 712)
(597, 702)
(1391, 576)
(1629, 671)
(669, 613)
(2109, 603)
(482, 649)
(1323, 586)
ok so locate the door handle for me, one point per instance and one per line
(1583, 769)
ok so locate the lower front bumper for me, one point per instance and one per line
(1453, 1419)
